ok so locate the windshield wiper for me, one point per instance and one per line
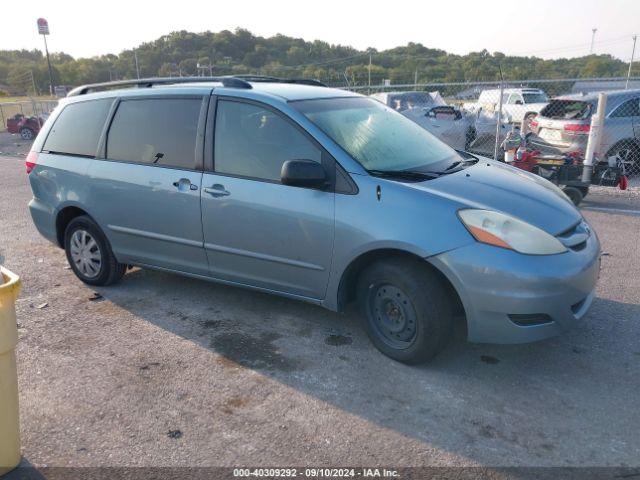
(405, 174)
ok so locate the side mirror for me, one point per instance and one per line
(303, 173)
(519, 102)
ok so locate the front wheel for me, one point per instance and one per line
(89, 253)
(407, 312)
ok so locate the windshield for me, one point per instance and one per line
(376, 136)
(535, 97)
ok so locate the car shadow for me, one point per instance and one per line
(478, 401)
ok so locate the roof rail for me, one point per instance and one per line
(227, 81)
(236, 81)
(268, 79)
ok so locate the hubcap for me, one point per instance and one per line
(393, 315)
(85, 253)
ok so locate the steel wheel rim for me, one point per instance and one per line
(85, 253)
(392, 316)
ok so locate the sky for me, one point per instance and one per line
(545, 28)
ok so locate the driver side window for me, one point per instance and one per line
(252, 141)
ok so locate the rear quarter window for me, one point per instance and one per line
(160, 131)
(77, 129)
(567, 110)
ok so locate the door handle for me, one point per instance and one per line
(216, 190)
(185, 184)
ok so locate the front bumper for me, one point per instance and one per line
(494, 283)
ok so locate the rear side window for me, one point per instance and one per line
(159, 131)
(567, 110)
(252, 141)
(627, 109)
(78, 127)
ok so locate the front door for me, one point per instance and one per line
(258, 231)
(146, 192)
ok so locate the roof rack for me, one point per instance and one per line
(267, 79)
(237, 81)
(227, 81)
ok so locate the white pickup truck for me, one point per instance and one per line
(517, 103)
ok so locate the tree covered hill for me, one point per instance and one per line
(226, 52)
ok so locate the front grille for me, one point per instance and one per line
(529, 319)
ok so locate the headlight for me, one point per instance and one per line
(500, 230)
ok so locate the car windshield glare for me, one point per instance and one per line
(376, 136)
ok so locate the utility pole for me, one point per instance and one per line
(33, 84)
(135, 56)
(43, 29)
(593, 36)
(633, 52)
(415, 79)
(369, 72)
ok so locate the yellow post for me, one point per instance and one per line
(9, 420)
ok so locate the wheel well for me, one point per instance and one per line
(62, 220)
(349, 280)
(620, 143)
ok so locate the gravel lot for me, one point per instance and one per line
(168, 371)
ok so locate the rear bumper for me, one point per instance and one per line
(577, 144)
(499, 287)
(44, 219)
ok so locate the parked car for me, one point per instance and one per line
(27, 127)
(429, 110)
(517, 103)
(315, 194)
(484, 141)
(564, 126)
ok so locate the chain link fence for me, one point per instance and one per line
(15, 116)
(554, 114)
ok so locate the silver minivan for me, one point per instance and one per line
(315, 194)
(564, 126)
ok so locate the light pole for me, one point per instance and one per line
(135, 56)
(43, 29)
(593, 36)
(369, 72)
(633, 52)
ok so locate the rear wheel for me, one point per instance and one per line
(575, 194)
(407, 312)
(26, 133)
(628, 153)
(89, 253)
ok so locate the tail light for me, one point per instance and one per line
(577, 128)
(533, 124)
(30, 161)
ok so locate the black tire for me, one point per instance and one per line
(27, 134)
(575, 194)
(109, 270)
(406, 310)
(628, 152)
(584, 191)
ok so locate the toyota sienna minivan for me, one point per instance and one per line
(313, 193)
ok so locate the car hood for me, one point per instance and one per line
(493, 185)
